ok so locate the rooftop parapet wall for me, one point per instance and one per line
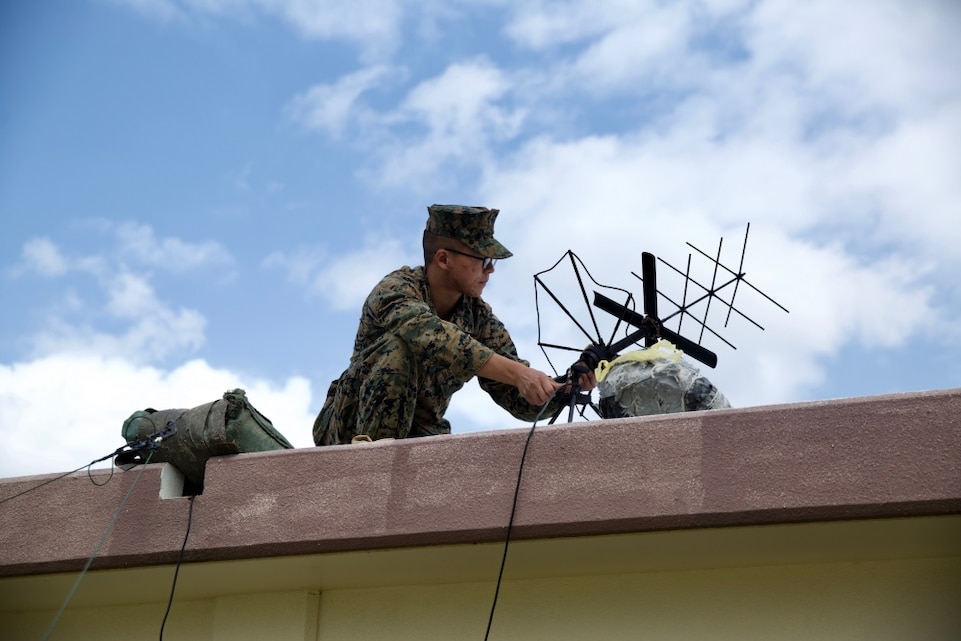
(872, 457)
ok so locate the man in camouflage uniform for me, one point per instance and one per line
(424, 332)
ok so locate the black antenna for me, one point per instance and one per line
(650, 327)
(649, 269)
(593, 336)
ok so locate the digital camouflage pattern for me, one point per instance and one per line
(407, 363)
(473, 226)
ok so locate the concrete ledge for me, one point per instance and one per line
(875, 457)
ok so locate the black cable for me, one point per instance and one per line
(57, 478)
(131, 450)
(180, 558)
(109, 478)
(510, 523)
(103, 539)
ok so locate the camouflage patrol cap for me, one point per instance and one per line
(473, 226)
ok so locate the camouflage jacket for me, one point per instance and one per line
(446, 353)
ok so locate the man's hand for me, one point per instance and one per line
(586, 378)
(534, 385)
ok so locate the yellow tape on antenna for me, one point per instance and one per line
(661, 350)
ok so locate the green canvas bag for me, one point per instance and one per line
(230, 425)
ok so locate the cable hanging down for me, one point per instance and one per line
(180, 558)
(96, 550)
(566, 396)
(126, 456)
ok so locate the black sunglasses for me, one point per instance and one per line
(485, 261)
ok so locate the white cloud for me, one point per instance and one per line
(869, 53)
(43, 256)
(122, 315)
(647, 48)
(344, 279)
(454, 103)
(443, 122)
(446, 121)
(299, 264)
(461, 114)
(64, 410)
(139, 243)
(159, 333)
(546, 25)
(332, 107)
(372, 25)
(914, 172)
(130, 296)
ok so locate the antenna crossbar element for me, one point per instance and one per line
(738, 275)
(684, 308)
(651, 328)
(714, 290)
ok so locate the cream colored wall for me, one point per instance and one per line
(915, 599)
(110, 623)
(895, 600)
(283, 616)
(277, 616)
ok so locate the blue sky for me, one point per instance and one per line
(197, 195)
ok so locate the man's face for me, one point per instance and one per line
(468, 272)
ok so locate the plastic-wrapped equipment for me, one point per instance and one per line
(655, 380)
